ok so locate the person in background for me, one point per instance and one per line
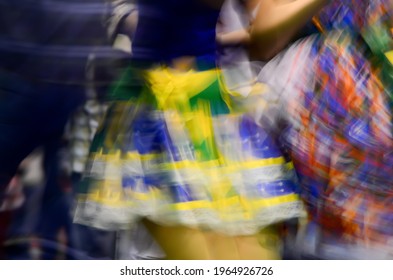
(121, 25)
(44, 50)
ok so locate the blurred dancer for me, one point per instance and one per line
(334, 93)
(179, 152)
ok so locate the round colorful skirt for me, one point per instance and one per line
(337, 109)
(178, 150)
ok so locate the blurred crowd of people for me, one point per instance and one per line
(199, 129)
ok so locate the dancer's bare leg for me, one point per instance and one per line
(183, 243)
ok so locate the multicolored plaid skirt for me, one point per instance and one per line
(337, 108)
(178, 150)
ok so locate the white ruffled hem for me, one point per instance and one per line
(104, 217)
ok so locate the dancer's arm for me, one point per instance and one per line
(122, 18)
(277, 22)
